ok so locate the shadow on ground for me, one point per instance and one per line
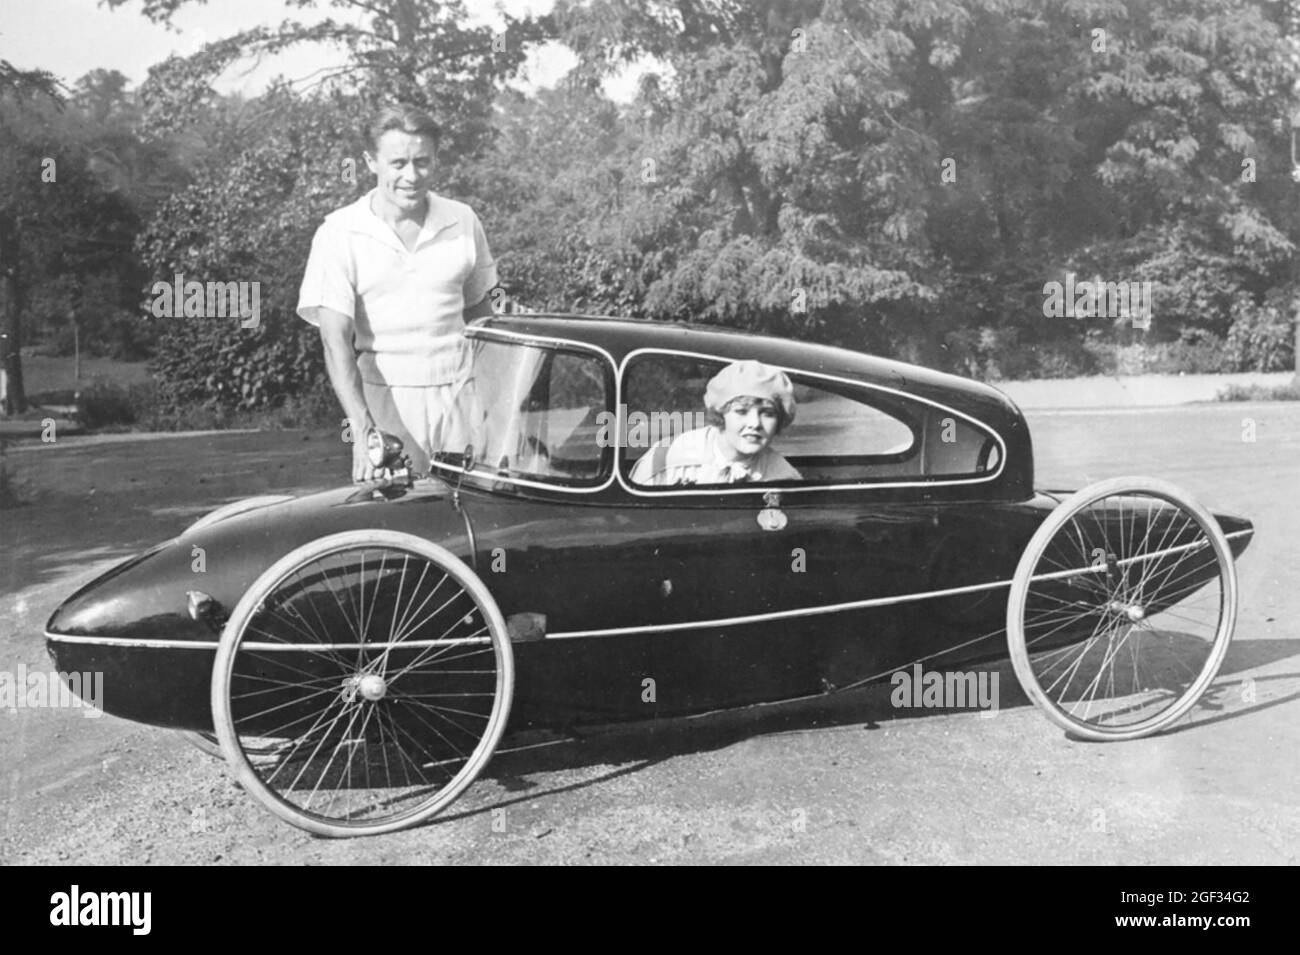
(631, 748)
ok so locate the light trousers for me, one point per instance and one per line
(423, 417)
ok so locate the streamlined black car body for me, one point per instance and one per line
(899, 543)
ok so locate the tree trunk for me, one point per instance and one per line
(10, 315)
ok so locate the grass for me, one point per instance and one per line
(45, 373)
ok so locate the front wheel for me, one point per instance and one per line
(362, 683)
(1121, 609)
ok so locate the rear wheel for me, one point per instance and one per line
(362, 683)
(1121, 609)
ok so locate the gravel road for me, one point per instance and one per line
(839, 779)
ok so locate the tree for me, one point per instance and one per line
(79, 182)
(277, 164)
(15, 85)
(413, 51)
(1290, 26)
(902, 177)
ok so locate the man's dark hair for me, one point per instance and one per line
(408, 119)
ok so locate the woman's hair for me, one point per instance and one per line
(408, 119)
(742, 403)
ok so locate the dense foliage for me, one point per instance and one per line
(274, 167)
(899, 177)
(798, 154)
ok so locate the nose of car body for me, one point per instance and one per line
(150, 596)
(134, 600)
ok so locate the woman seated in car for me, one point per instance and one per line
(748, 403)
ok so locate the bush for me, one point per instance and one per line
(115, 333)
(1197, 353)
(998, 354)
(104, 404)
(1065, 359)
(316, 408)
(1194, 354)
(1262, 337)
(249, 219)
(1287, 392)
(188, 418)
(9, 492)
(214, 363)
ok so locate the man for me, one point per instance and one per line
(390, 282)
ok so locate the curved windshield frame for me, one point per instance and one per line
(533, 412)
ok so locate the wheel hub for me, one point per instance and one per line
(1133, 611)
(369, 686)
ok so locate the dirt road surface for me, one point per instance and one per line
(843, 779)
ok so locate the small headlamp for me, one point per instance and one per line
(382, 450)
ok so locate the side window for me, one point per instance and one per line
(575, 409)
(836, 425)
(664, 398)
(846, 434)
(842, 433)
(954, 447)
(851, 433)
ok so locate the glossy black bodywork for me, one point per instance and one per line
(688, 591)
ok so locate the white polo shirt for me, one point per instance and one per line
(407, 308)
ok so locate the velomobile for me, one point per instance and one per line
(357, 654)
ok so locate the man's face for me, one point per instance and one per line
(403, 165)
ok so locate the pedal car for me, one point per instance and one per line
(356, 655)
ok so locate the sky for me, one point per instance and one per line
(71, 37)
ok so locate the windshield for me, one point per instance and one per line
(533, 412)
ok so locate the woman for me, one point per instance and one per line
(749, 403)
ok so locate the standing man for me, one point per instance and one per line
(390, 282)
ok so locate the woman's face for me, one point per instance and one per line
(748, 425)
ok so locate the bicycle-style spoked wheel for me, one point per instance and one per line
(1121, 609)
(362, 683)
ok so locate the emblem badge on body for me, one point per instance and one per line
(771, 517)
